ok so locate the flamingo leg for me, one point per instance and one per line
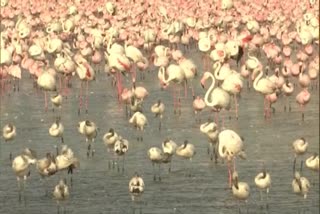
(174, 99)
(179, 100)
(45, 101)
(185, 89)
(236, 105)
(19, 189)
(159, 172)
(229, 174)
(123, 159)
(87, 91)
(80, 98)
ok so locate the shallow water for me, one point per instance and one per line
(97, 189)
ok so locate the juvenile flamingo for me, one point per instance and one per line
(46, 167)
(9, 133)
(186, 151)
(61, 194)
(158, 109)
(121, 147)
(89, 129)
(136, 189)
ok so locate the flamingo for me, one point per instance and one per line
(135, 55)
(67, 161)
(157, 156)
(220, 99)
(198, 105)
(169, 149)
(46, 167)
(158, 109)
(21, 167)
(263, 181)
(233, 84)
(300, 147)
(56, 101)
(136, 189)
(9, 133)
(47, 82)
(61, 194)
(139, 121)
(230, 145)
(312, 163)
(176, 75)
(303, 98)
(86, 74)
(265, 86)
(186, 151)
(287, 89)
(109, 140)
(190, 71)
(121, 147)
(89, 129)
(210, 129)
(56, 129)
(240, 190)
(300, 185)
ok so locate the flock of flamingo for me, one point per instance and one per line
(269, 46)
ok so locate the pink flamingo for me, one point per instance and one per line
(303, 98)
(85, 74)
(198, 105)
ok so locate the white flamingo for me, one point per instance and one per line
(121, 147)
(56, 129)
(21, 168)
(46, 167)
(61, 194)
(263, 182)
(169, 149)
(300, 185)
(230, 145)
(210, 129)
(158, 109)
(265, 87)
(217, 98)
(186, 151)
(157, 156)
(9, 133)
(300, 146)
(139, 121)
(67, 161)
(89, 129)
(240, 190)
(56, 101)
(136, 189)
(47, 82)
(109, 140)
(312, 163)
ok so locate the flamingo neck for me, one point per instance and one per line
(209, 91)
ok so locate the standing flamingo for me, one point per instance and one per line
(158, 109)
(303, 98)
(230, 145)
(61, 193)
(9, 133)
(186, 151)
(139, 121)
(21, 167)
(89, 129)
(265, 87)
